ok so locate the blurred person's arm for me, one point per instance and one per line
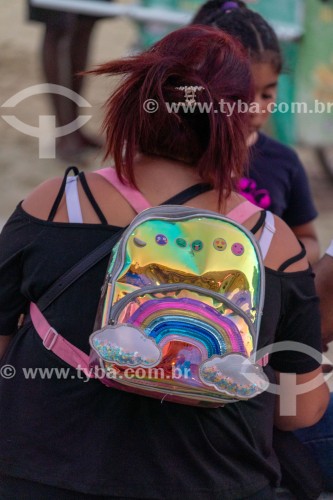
(310, 406)
(324, 285)
(299, 324)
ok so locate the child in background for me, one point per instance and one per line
(276, 179)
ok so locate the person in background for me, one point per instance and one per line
(64, 438)
(276, 179)
(319, 437)
(324, 285)
(65, 50)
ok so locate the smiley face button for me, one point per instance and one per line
(220, 244)
(161, 239)
(237, 249)
(197, 245)
(181, 242)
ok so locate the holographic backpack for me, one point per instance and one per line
(180, 311)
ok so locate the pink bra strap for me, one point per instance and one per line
(243, 211)
(137, 201)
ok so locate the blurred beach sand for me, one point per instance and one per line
(20, 42)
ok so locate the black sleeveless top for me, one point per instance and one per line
(57, 428)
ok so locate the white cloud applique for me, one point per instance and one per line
(125, 345)
(234, 375)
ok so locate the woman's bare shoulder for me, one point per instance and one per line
(115, 207)
(285, 246)
(40, 201)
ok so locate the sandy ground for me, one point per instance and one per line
(20, 167)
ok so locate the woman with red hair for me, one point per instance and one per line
(171, 143)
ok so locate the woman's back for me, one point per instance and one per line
(105, 416)
(59, 430)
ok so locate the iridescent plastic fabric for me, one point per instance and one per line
(182, 308)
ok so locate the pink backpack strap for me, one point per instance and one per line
(53, 341)
(243, 211)
(137, 201)
(264, 360)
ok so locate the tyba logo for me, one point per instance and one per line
(47, 141)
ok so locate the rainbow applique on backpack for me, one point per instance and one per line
(181, 309)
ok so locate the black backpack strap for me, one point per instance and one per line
(75, 272)
(188, 194)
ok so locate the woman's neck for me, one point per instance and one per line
(164, 168)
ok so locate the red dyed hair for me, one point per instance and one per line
(212, 142)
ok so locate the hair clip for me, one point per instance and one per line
(190, 94)
(229, 6)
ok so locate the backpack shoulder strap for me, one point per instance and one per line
(244, 211)
(53, 341)
(137, 201)
(187, 194)
(75, 272)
